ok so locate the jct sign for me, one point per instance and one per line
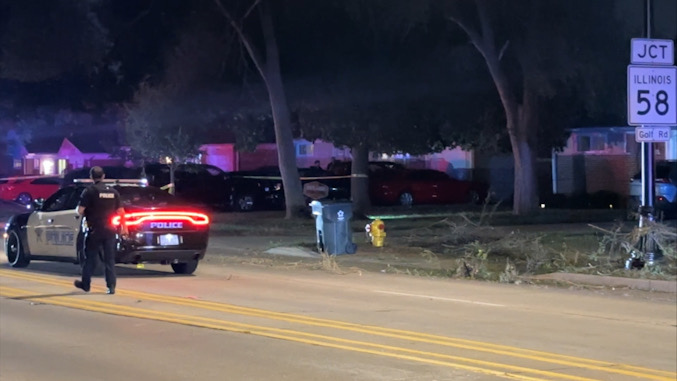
(652, 51)
(652, 95)
(652, 83)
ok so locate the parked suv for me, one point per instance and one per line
(203, 184)
(665, 189)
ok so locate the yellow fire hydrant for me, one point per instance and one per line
(378, 232)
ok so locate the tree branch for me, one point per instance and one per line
(251, 49)
(474, 35)
(482, 38)
(503, 49)
(251, 9)
(272, 52)
(485, 25)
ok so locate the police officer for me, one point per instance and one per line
(99, 204)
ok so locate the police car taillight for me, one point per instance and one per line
(134, 219)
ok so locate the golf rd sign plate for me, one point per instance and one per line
(652, 95)
(652, 134)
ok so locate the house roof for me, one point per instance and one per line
(93, 143)
(45, 144)
(99, 142)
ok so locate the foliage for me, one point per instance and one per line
(528, 48)
(161, 122)
(45, 39)
(13, 139)
(172, 115)
(618, 245)
(264, 53)
(372, 107)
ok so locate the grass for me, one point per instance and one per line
(483, 244)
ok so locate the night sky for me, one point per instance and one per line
(323, 45)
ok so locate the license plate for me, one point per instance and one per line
(169, 240)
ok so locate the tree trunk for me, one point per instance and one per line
(522, 128)
(524, 145)
(518, 123)
(359, 182)
(521, 119)
(286, 154)
(525, 196)
(172, 177)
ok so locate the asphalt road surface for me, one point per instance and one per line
(281, 323)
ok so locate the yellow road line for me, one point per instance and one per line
(284, 334)
(628, 370)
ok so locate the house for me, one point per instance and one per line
(456, 162)
(226, 157)
(56, 155)
(602, 159)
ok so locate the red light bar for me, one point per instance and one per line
(140, 217)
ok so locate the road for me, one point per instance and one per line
(280, 323)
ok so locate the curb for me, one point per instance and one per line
(669, 286)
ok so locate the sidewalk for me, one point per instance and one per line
(301, 248)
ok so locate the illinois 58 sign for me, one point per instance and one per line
(652, 95)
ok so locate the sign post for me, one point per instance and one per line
(652, 101)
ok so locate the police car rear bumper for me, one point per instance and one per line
(192, 247)
(162, 256)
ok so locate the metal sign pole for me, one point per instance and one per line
(652, 106)
(648, 181)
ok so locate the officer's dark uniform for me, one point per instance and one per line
(101, 204)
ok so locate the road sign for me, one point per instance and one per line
(652, 134)
(315, 190)
(652, 95)
(652, 51)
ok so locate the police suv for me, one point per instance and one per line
(162, 228)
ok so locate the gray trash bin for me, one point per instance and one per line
(332, 227)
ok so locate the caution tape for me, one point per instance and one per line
(30, 177)
(304, 177)
(114, 181)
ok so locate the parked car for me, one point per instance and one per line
(205, 184)
(162, 229)
(423, 186)
(26, 189)
(665, 188)
(112, 172)
(201, 183)
(255, 189)
(338, 186)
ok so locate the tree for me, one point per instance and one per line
(367, 94)
(268, 67)
(381, 111)
(169, 117)
(45, 39)
(163, 124)
(172, 115)
(528, 48)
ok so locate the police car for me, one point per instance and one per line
(162, 229)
